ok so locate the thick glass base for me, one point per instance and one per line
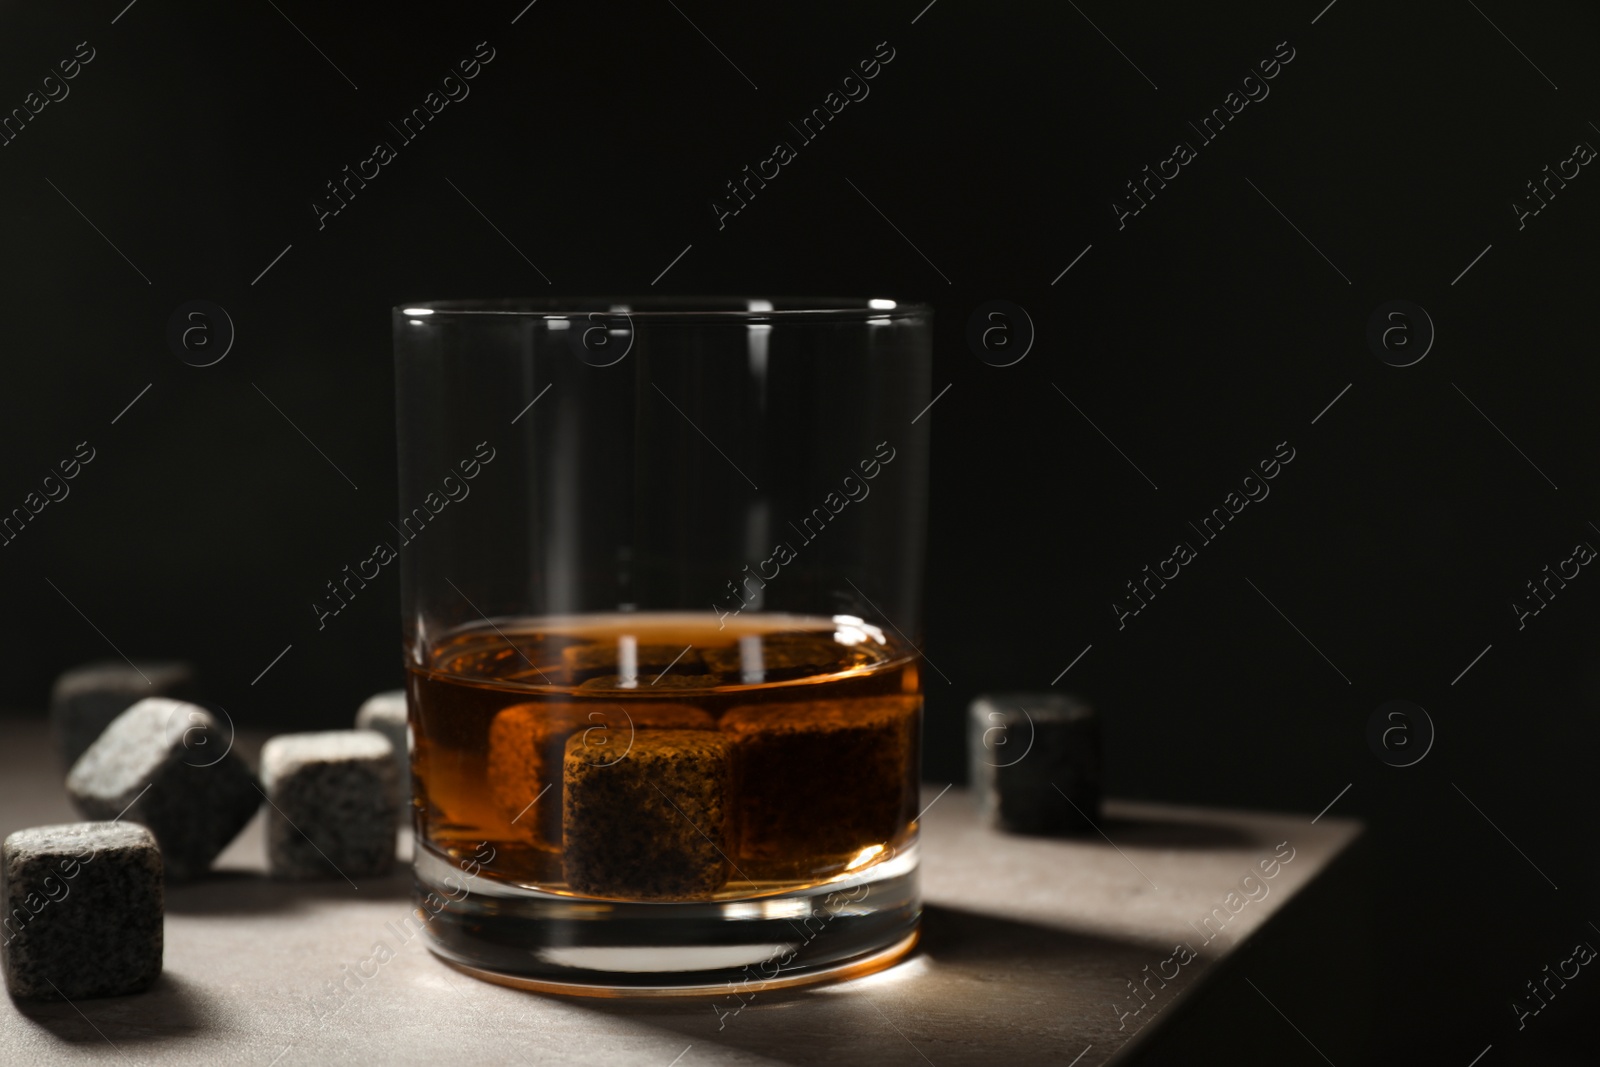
(542, 941)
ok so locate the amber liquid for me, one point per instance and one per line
(657, 757)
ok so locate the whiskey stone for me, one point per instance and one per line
(80, 910)
(386, 713)
(1035, 762)
(333, 810)
(86, 699)
(168, 765)
(653, 825)
(527, 743)
(821, 780)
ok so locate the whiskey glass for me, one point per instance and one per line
(661, 565)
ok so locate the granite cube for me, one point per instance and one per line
(527, 742)
(1034, 761)
(168, 765)
(386, 713)
(333, 811)
(821, 780)
(80, 910)
(652, 825)
(86, 699)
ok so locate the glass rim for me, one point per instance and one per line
(673, 308)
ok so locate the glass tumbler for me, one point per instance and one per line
(662, 568)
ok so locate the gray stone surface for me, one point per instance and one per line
(1034, 762)
(86, 699)
(333, 810)
(386, 713)
(168, 765)
(82, 910)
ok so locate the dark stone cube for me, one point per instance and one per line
(1035, 762)
(386, 713)
(821, 780)
(86, 699)
(80, 910)
(168, 765)
(333, 812)
(652, 825)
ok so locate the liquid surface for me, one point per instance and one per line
(657, 757)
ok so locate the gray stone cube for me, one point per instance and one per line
(1034, 761)
(386, 713)
(80, 910)
(333, 810)
(168, 765)
(86, 699)
(653, 825)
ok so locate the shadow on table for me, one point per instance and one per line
(222, 893)
(172, 1005)
(1177, 834)
(975, 967)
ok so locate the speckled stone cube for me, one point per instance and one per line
(386, 713)
(333, 809)
(652, 825)
(527, 742)
(86, 699)
(1034, 762)
(80, 910)
(168, 765)
(821, 780)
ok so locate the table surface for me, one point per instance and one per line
(1029, 948)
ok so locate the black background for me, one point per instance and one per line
(1196, 338)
